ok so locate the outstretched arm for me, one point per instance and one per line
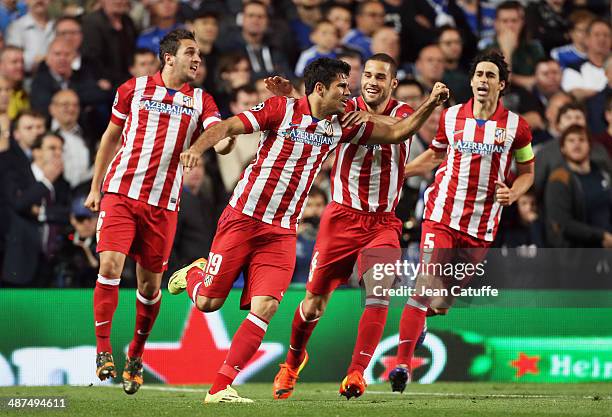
(400, 131)
(211, 136)
(424, 163)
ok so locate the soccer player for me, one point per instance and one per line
(257, 231)
(366, 185)
(476, 142)
(155, 117)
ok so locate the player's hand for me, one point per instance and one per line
(504, 195)
(278, 86)
(93, 200)
(439, 93)
(355, 118)
(190, 158)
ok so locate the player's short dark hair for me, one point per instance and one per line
(324, 71)
(496, 58)
(38, 142)
(385, 58)
(247, 89)
(574, 130)
(171, 42)
(413, 82)
(508, 5)
(567, 107)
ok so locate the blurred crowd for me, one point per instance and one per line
(62, 60)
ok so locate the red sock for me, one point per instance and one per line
(106, 298)
(146, 313)
(411, 326)
(195, 278)
(301, 329)
(370, 331)
(245, 343)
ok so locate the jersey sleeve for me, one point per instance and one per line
(264, 116)
(357, 134)
(404, 111)
(122, 102)
(210, 112)
(440, 141)
(521, 146)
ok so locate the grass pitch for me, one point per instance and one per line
(321, 399)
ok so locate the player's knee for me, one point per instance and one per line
(208, 305)
(265, 308)
(110, 267)
(313, 308)
(148, 289)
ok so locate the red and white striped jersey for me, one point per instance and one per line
(478, 153)
(370, 177)
(158, 124)
(293, 145)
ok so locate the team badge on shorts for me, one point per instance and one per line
(500, 135)
(208, 279)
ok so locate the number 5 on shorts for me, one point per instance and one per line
(428, 244)
(214, 263)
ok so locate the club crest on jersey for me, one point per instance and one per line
(329, 128)
(500, 135)
(188, 101)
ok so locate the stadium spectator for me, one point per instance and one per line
(605, 138)
(411, 92)
(69, 30)
(341, 17)
(369, 16)
(264, 57)
(575, 52)
(163, 18)
(420, 20)
(40, 198)
(522, 226)
(587, 78)
(110, 36)
(308, 15)
(232, 164)
(56, 74)
(511, 39)
(262, 92)
(33, 32)
(353, 58)
(11, 68)
(205, 26)
(77, 260)
(234, 71)
(11, 10)
(197, 217)
(546, 19)
(386, 40)
(6, 91)
(429, 66)
(480, 17)
(455, 74)
(550, 157)
(578, 199)
(547, 83)
(307, 233)
(596, 105)
(324, 36)
(144, 63)
(555, 102)
(78, 149)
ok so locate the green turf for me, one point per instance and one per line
(439, 400)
